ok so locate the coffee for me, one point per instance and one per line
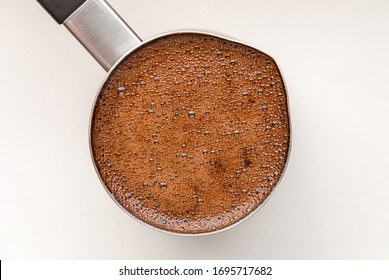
(190, 133)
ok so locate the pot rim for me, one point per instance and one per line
(93, 109)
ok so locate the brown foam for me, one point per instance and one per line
(190, 132)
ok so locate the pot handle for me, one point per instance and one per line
(97, 27)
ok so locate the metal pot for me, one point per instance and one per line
(109, 40)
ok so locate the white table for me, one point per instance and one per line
(333, 202)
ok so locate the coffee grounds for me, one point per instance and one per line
(190, 133)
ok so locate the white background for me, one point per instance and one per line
(333, 202)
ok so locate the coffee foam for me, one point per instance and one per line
(190, 132)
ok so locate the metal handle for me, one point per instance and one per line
(97, 27)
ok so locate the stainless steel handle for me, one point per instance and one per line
(102, 32)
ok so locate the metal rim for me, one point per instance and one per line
(90, 133)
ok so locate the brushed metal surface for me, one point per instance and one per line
(102, 32)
